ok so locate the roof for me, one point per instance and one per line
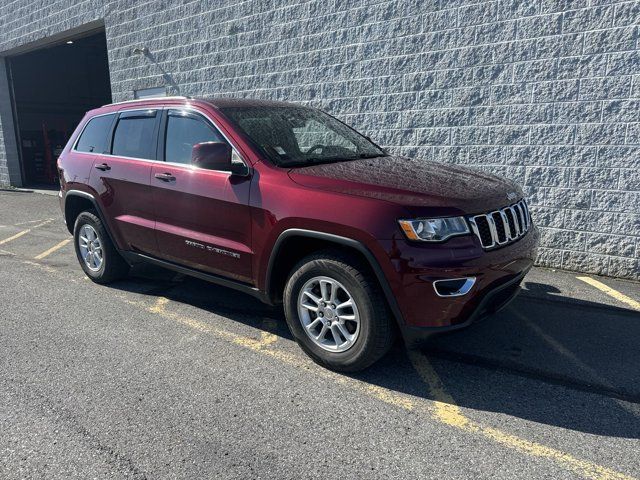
(226, 102)
(218, 102)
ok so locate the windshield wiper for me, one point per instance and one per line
(318, 160)
(324, 160)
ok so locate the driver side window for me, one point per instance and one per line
(184, 130)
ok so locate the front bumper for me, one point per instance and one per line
(492, 302)
(415, 268)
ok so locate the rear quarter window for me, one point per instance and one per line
(93, 138)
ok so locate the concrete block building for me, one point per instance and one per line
(546, 92)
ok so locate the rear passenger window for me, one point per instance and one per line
(93, 138)
(135, 135)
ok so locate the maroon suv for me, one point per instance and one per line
(290, 205)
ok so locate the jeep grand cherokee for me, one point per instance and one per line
(290, 205)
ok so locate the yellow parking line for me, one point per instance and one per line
(17, 235)
(32, 221)
(24, 232)
(444, 409)
(449, 413)
(58, 246)
(46, 222)
(262, 346)
(621, 297)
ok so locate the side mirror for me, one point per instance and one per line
(212, 156)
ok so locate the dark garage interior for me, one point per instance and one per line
(52, 89)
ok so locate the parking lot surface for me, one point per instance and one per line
(165, 376)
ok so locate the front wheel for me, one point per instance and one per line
(97, 255)
(336, 311)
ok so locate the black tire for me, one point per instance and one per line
(377, 329)
(113, 266)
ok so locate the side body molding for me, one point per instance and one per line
(348, 242)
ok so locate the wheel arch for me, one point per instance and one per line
(76, 202)
(294, 244)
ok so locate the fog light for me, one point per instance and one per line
(454, 287)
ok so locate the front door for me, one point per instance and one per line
(121, 178)
(202, 216)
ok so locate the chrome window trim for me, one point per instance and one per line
(161, 108)
(113, 133)
(117, 114)
(191, 109)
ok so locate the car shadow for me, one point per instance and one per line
(547, 358)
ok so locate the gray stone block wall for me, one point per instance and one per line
(544, 91)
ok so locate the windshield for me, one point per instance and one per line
(299, 136)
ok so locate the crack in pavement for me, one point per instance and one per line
(60, 414)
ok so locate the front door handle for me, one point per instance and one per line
(103, 167)
(165, 177)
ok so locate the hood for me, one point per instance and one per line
(412, 183)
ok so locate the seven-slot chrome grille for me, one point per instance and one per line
(501, 227)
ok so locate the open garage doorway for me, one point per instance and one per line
(52, 89)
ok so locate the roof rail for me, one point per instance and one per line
(175, 97)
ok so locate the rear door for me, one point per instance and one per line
(202, 216)
(122, 179)
(76, 166)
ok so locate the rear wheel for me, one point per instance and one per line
(97, 255)
(337, 312)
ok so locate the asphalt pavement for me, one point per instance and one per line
(165, 376)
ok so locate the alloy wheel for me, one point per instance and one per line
(329, 314)
(90, 247)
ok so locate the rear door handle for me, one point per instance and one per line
(165, 177)
(103, 167)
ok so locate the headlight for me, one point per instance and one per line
(434, 229)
